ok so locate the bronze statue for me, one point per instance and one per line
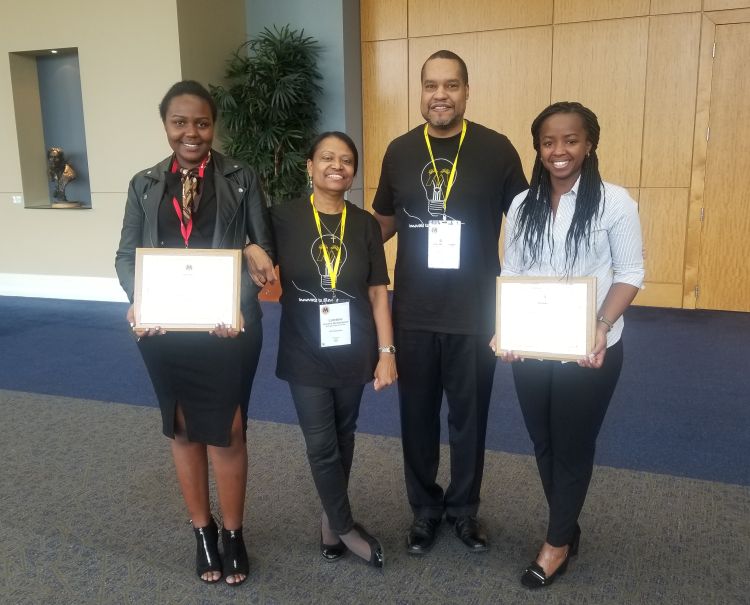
(59, 172)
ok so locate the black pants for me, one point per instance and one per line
(463, 366)
(563, 407)
(328, 418)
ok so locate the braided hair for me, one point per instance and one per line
(535, 212)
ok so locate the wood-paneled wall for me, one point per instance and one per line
(641, 65)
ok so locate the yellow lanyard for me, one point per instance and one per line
(332, 272)
(452, 176)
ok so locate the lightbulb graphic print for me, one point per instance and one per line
(333, 243)
(435, 185)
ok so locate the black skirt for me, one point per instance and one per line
(208, 377)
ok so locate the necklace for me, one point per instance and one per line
(335, 230)
(331, 232)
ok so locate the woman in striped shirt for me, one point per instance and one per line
(571, 224)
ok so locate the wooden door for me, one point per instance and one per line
(724, 267)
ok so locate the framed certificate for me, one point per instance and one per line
(546, 317)
(187, 289)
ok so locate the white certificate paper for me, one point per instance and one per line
(444, 245)
(335, 325)
(546, 318)
(191, 289)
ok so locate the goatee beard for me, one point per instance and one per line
(446, 124)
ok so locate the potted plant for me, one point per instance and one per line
(268, 108)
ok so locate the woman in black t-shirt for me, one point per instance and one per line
(335, 333)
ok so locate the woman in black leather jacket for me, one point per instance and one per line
(198, 198)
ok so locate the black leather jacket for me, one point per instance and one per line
(241, 217)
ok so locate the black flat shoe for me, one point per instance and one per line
(332, 552)
(377, 557)
(207, 551)
(421, 536)
(469, 532)
(534, 576)
(235, 554)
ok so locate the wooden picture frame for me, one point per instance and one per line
(188, 290)
(546, 317)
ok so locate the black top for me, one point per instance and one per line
(204, 218)
(488, 177)
(301, 359)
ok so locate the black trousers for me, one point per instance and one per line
(462, 366)
(563, 406)
(328, 419)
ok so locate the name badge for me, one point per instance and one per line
(335, 326)
(444, 245)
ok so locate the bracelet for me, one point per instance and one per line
(606, 322)
(387, 349)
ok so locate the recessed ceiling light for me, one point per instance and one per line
(54, 52)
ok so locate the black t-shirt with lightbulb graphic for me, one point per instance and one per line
(488, 176)
(306, 285)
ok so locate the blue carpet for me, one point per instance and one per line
(681, 406)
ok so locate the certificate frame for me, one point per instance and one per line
(166, 277)
(561, 293)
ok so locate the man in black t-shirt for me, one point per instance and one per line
(444, 187)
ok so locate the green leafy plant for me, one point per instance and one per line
(268, 111)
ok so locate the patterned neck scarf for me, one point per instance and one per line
(191, 187)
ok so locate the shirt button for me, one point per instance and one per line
(240, 189)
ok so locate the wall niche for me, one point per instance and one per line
(50, 128)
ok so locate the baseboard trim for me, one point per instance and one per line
(72, 287)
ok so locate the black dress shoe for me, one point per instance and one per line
(207, 550)
(469, 532)
(534, 576)
(332, 552)
(421, 536)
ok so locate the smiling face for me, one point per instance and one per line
(190, 129)
(563, 145)
(332, 167)
(444, 96)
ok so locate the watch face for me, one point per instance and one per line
(388, 349)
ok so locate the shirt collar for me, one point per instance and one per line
(574, 188)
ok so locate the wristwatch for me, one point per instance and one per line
(387, 349)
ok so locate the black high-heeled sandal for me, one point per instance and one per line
(234, 557)
(377, 557)
(207, 551)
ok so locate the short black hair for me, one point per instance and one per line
(448, 54)
(187, 87)
(342, 136)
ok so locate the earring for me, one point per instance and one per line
(588, 154)
(309, 181)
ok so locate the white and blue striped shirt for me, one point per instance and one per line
(615, 254)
